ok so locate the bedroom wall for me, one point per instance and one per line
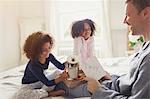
(9, 34)
(118, 28)
(31, 19)
(11, 11)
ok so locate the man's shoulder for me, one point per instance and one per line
(145, 45)
(146, 59)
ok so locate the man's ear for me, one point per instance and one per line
(146, 14)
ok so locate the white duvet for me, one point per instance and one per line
(10, 81)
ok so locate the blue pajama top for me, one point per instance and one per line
(34, 71)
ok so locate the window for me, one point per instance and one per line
(70, 11)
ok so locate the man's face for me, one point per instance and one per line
(133, 19)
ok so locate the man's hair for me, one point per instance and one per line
(34, 43)
(140, 4)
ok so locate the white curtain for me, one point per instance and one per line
(106, 37)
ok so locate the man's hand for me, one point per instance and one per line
(92, 84)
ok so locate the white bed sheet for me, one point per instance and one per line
(10, 80)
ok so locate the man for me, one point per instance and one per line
(135, 84)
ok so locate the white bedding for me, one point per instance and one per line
(10, 80)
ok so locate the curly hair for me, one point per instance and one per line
(34, 42)
(78, 27)
(140, 4)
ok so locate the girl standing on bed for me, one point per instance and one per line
(37, 48)
(82, 32)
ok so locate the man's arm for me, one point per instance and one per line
(140, 88)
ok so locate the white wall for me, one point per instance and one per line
(119, 39)
(9, 34)
(11, 11)
(31, 19)
(118, 28)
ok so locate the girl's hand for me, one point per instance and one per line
(106, 77)
(62, 77)
(66, 66)
(66, 63)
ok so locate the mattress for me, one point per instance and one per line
(10, 80)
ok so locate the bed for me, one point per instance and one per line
(10, 80)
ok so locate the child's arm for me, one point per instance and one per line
(77, 45)
(91, 47)
(58, 64)
(36, 69)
